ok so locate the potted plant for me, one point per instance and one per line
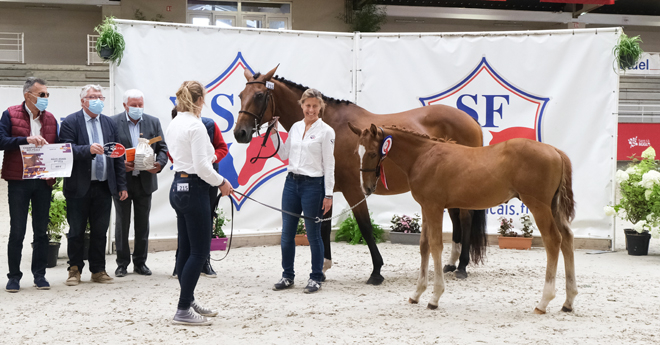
(56, 224)
(218, 238)
(640, 201)
(509, 238)
(405, 229)
(349, 231)
(301, 234)
(627, 51)
(110, 44)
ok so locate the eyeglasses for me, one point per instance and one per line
(41, 94)
(95, 97)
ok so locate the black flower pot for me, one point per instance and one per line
(53, 252)
(106, 52)
(628, 231)
(638, 244)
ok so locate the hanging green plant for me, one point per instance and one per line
(627, 51)
(110, 45)
(365, 17)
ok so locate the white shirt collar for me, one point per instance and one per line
(30, 113)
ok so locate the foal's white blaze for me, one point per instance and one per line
(361, 151)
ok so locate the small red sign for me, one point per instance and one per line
(634, 138)
(168, 8)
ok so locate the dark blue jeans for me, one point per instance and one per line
(302, 194)
(20, 194)
(189, 197)
(94, 208)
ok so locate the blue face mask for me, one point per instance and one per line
(42, 103)
(96, 106)
(135, 113)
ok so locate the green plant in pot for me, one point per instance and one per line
(110, 44)
(57, 213)
(640, 194)
(627, 51)
(350, 231)
(220, 221)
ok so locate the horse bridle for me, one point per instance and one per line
(377, 169)
(258, 118)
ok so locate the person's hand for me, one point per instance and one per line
(123, 195)
(130, 166)
(327, 205)
(226, 188)
(96, 149)
(37, 140)
(155, 170)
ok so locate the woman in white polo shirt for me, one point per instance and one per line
(308, 187)
(192, 155)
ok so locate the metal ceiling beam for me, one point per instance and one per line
(585, 9)
(421, 12)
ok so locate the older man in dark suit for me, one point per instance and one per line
(94, 179)
(133, 124)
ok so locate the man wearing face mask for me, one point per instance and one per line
(133, 124)
(27, 123)
(94, 179)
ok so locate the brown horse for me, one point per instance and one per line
(445, 175)
(259, 104)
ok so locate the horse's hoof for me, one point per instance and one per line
(566, 309)
(412, 301)
(538, 311)
(432, 307)
(375, 280)
(448, 268)
(461, 274)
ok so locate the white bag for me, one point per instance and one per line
(144, 155)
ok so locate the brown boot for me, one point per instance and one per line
(74, 276)
(102, 277)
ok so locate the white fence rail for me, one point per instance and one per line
(92, 57)
(12, 47)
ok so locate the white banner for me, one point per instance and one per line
(160, 58)
(555, 87)
(648, 64)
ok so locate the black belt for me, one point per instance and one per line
(301, 177)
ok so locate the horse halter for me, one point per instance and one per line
(258, 118)
(383, 154)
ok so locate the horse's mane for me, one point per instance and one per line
(301, 87)
(425, 136)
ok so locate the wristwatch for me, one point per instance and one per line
(328, 197)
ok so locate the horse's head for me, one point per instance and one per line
(256, 105)
(369, 151)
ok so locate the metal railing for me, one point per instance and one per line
(92, 57)
(639, 112)
(12, 47)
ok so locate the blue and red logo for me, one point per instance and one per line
(222, 96)
(503, 110)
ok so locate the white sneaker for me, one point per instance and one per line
(203, 311)
(190, 318)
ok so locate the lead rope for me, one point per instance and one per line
(316, 219)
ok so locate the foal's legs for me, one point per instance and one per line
(424, 249)
(552, 241)
(454, 214)
(569, 263)
(466, 229)
(435, 245)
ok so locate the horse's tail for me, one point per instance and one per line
(564, 205)
(478, 238)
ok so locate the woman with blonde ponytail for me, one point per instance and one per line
(192, 155)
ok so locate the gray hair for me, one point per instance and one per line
(88, 87)
(133, 93)
(29, 83)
